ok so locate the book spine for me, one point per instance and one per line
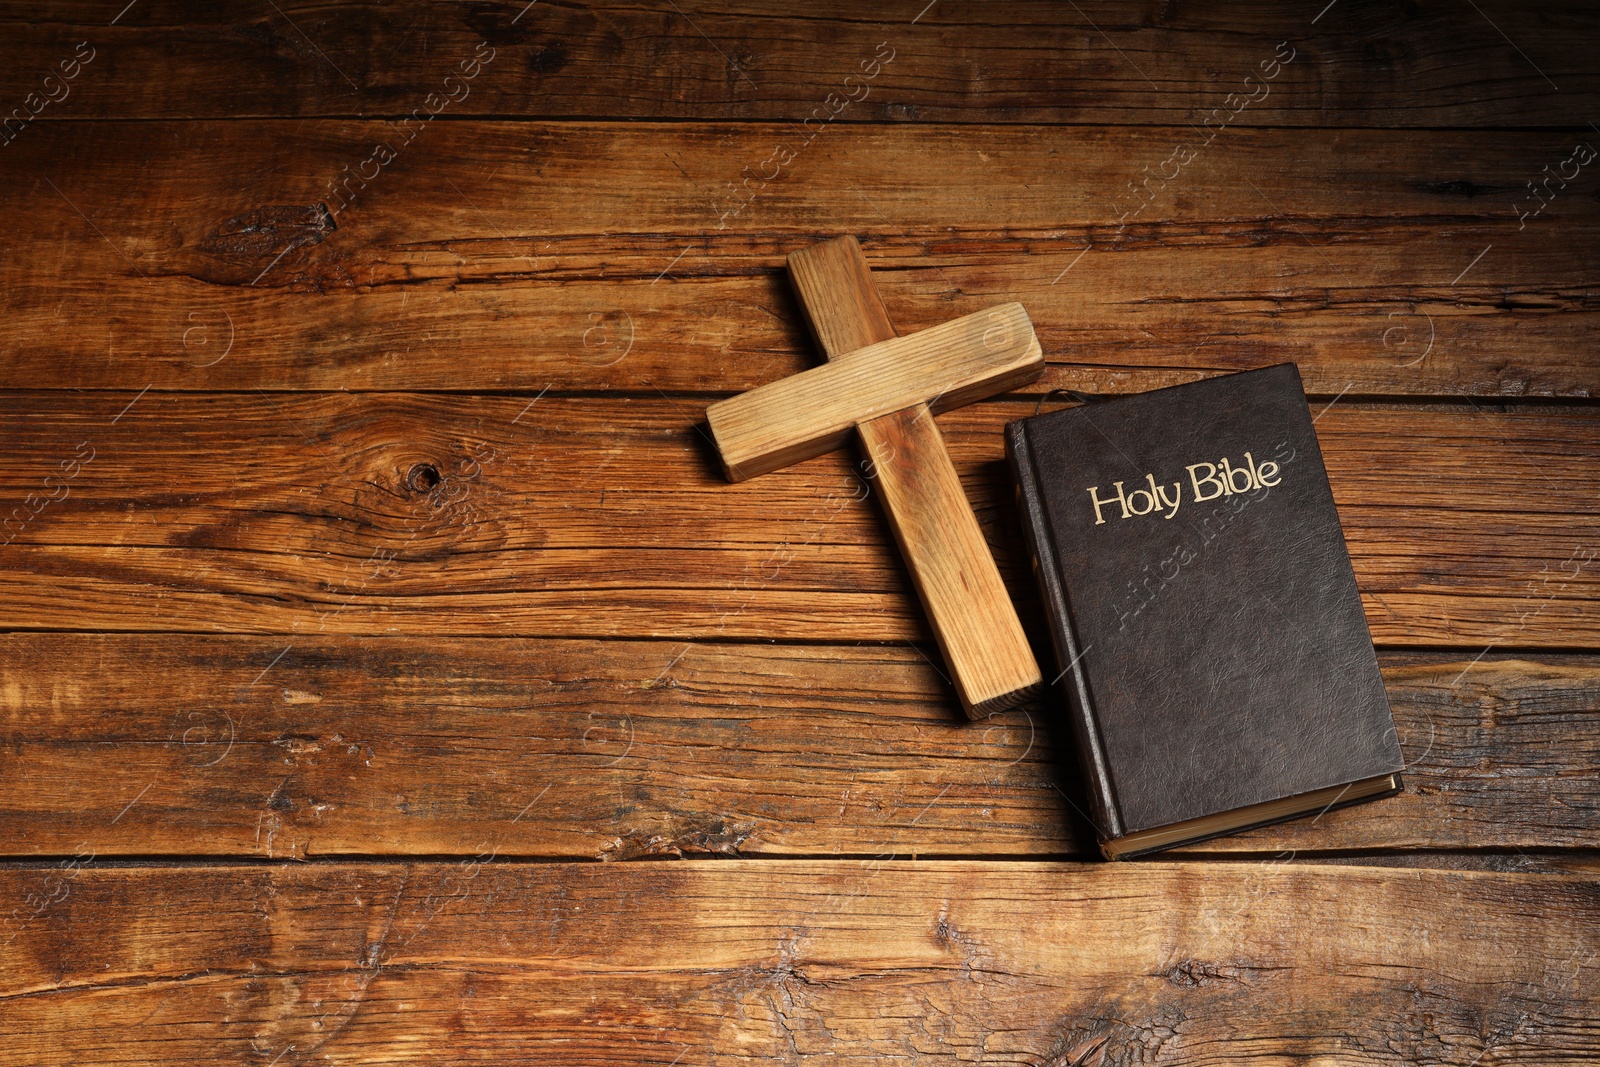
(1069, 654)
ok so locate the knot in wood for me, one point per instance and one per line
(423, 478)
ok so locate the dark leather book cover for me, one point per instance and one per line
(1210, 638)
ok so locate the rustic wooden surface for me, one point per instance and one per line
(373, 601)
(858, 962)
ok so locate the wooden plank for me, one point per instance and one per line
(954, 61)
(175, 745)
(604, 256)
(386, 513)
(864, 962)
(968, 607)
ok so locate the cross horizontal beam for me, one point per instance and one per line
(807, 414)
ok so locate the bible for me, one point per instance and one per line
(1215, 657)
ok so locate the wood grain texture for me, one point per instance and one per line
(173, 745)
(496, 516)
(1360, 64)
(867, 962)
(968, 607)
(601, 256)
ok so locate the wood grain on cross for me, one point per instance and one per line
(886, 389)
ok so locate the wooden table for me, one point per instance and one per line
(374, 605)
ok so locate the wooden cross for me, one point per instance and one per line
(886, 388)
